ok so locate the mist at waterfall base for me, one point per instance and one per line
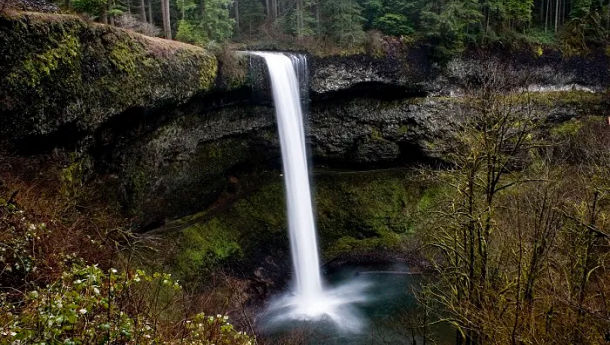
(388, 311)
(309, 299)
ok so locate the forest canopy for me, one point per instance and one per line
(449, 26)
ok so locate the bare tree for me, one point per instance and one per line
(522, 241)
(495, 130)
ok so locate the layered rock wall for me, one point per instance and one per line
(176, 126)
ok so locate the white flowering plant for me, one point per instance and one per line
(19, 239)
(91, 306)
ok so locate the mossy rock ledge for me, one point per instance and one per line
(365, 216)
(62, 74)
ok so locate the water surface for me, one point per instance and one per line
(387, 312)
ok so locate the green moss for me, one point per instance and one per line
(202, 246)
(124, 57)
(355, 213)
(431, 197)
(265, 207)
(370, 211)
(62, 70)
(403, 129)
(567, 129)
(367, 210)
(36, 67)
(573, 98)
(376, 134)
(208, 69)
(386, 242)
(72, 177)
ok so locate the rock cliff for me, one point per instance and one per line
(175, 125)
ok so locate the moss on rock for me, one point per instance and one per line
(151, 189)
(368, 211)
(204, 245)
(63, 55)
(356, 213)
(58, 70)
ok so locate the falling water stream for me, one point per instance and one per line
(303, 242)
(309, 299)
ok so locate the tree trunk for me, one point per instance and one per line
(236, 15)
(105, 14)
(112, 16)
(143, 11)
(150, 18)
(487, 15)
(169, 24)
(608, 17)
(318, 24)
(546, 17)
(556, 15)
(166, 19)
(274, 7)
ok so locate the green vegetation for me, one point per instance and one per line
(204, 247)
(124, 57)
(447, 26)
(211, 22)
(90, 306)
(514, 226)
(357, 213)
(519, 238)
(51, 291)
(42, 65)
(48, 61)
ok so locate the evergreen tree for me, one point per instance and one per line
(344, 21)
(207, 21)
(252, 16)
(450, 25)
(392, 17)
(300, 21)
(216, 22)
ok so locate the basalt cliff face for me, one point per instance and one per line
(176, 126)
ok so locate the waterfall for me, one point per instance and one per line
(309, 299)
(289, 112)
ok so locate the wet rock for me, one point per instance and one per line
(176, 125)
(64, 77)
(30, 5)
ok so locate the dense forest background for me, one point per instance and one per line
(447, 25)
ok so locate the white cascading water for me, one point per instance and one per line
(309, 300)
(289, 113)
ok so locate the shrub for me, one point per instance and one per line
(90, 306)
(127, 21)
(19, 240)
